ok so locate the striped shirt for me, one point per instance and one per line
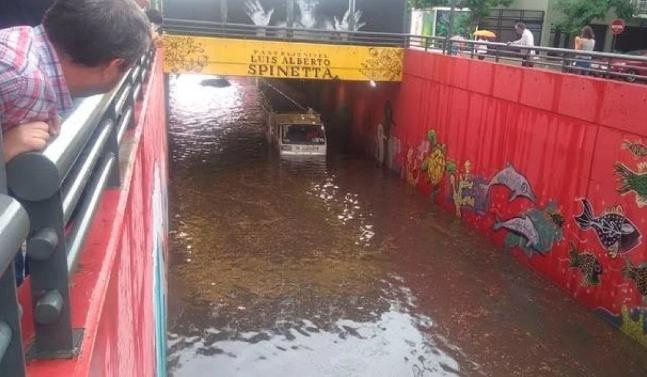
(32, 86)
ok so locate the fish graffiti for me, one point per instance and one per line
(639, 276)
(515, 182)
(522, 226)
(587, 263)
(632, 181)
(638, 149)
(546, 223)
(616, 233)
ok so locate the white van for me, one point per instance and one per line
(297, 133)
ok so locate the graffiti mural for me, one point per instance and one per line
(535, 232)
(638, 274)
(557, 208)
(467, 190)
(632, 322)
(588, 265)
(516, 182)
(435, 163)
(617, 234)
(633, 182)
(308, 14)
(638, 149)
(412, 169)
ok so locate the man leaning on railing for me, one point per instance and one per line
(82, 47)
(527, 39)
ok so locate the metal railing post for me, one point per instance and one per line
(49, 280)
(565, 63)
(12, 358)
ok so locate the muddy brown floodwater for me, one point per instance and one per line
(336, 268)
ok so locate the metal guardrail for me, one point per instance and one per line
(620, 66)
(631, 68)
(14, 226)
(60, 189)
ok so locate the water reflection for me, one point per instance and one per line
(279, 258)
(392, 342)
(330, 267)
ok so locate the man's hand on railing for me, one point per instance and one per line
(26, 137)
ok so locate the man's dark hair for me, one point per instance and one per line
(520, 25)
(94, 32)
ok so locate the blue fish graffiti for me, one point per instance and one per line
(515, 182)
(522, 226)
(535, 232)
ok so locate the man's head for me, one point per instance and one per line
(519, 27)
(96, 41)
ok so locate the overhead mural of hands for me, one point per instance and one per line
(257, 14)
(306, 17)
(345, 24)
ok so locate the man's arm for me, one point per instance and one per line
(25, 99)
(26, 112)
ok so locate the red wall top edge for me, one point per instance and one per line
(608, 103)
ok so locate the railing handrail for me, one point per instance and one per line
(14, 226)
(55, 162)
(61, 188)
(598, 54)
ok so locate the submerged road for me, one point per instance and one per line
(337, 268)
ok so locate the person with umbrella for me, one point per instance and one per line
(483, 36)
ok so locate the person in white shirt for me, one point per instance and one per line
(527, 39)
(584, 42)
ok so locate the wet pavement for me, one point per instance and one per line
(336, 268)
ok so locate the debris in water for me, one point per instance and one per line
(216, 83)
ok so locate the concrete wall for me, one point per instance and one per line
(516, 153)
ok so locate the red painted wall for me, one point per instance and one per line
(112, 290)
(563, 133)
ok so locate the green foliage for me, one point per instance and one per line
(578, 13)
(479, 8)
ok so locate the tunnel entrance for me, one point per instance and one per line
(287, 268)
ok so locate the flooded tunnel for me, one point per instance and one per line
(337, 267)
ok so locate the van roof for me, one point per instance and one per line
(297, 118)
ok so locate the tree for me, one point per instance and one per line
(578, 13)
(478, 8)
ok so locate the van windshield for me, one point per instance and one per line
(313, 134)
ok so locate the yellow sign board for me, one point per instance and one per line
(289, 60)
